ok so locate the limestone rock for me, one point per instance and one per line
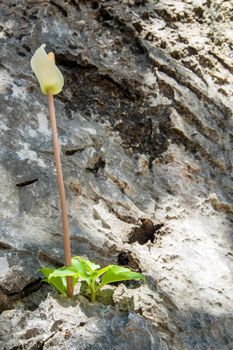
(145, 127)
(64, 324)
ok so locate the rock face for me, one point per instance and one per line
(145, 125)
(60, 324)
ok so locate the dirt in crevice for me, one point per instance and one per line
(126, 258)
(145, 232)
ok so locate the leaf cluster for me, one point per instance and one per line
(85, 270)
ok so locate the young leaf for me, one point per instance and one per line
(83, 266)
(80, 267)
(102, 271)
(88, 271)
(57, 282)
(91, 266)
(63, 272)
(46, 271)
(119, 273)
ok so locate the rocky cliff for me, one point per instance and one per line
(145, 126)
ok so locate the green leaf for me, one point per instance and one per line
(92, 267)
(89, 272)
(46, 271)
(63, 272)
(83, 266)
(102, 271)
(80, 267)
(119, 273)
(57, 282)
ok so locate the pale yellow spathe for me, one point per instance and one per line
(49, 76)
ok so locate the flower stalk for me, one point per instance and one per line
(51, 83)
(61, 187)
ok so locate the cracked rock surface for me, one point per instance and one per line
(145, 127)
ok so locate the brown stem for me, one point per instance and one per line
(61, 189)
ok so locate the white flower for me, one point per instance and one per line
(49, 76)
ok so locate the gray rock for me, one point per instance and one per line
(145, 126)
(64, 324)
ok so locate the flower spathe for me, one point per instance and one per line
(49, 76)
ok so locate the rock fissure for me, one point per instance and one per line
(26, 183)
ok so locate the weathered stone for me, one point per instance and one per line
(64, 324)
(17, 270)
(145, 126)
